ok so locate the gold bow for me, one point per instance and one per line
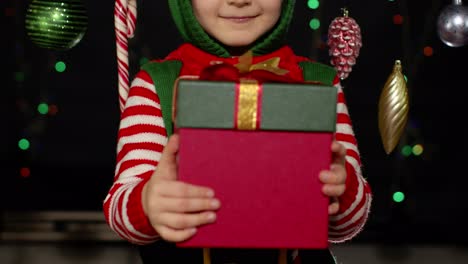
(245, 64)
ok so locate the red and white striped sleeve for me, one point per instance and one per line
(141, 139)
(355, 202)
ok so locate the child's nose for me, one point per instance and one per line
(239, 3)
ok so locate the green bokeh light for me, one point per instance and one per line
(23, 144)
(19, 76)
(406, 151)
(398, 197)
(60, 66)
(314, 23)
(43, 108)
(313, 4)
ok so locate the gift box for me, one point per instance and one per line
(261, 148)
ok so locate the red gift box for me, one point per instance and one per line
(261, 150)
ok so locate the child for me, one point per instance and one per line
(147, 205)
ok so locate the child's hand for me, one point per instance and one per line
(175, 208)
(334, 180)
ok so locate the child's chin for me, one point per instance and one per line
(237, 43)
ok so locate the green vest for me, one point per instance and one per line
(165, 73)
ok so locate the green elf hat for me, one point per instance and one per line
(125, 14)
(192, 31)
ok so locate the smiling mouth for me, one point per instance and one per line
(239, 19)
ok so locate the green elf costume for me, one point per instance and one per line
(150, 97)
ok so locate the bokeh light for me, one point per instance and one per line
(53, 109)
(43, 108)
(428, 51)
(25, 172)
(398, 197)
(23, 144)
(60, 66)
(10, 12)
(19, 76)
(418, 149)
(398, 19)
(313, 4)
(406, 151)
(314, 24)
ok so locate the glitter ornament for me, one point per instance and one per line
(56, 24)
(345, 42)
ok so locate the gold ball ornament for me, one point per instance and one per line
(393, 108)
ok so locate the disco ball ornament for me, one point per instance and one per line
(452, 24)
(56, 24)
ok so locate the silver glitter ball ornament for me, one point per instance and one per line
(452, 24)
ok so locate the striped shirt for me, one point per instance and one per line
(142, 137)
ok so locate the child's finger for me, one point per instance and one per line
(173, 235)
(333, 207)
(179, 189)
(168, 161)
(338, 152)
(188, 205)
(329, 177)
(333, 190)
(185, 221)
(172, 147)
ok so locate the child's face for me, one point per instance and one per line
(237, 23)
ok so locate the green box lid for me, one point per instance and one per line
(290, 107)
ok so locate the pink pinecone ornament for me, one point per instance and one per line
(344, 42)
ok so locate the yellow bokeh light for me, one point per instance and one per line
(418, 149)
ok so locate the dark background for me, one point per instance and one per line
(72, 154)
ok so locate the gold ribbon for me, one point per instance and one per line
(272, 65)
(247, 105)
(247, 110)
